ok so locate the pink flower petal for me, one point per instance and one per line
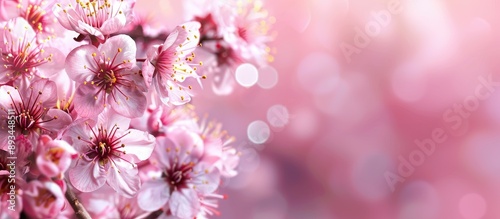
(5, 98)
(62, 17)
(147, 72)
(174, 39)
(137, 77)
(187, 142)
(184, 72)
(55, 65)
(108, 118)
(62, 120)
(178, 95)
(45, 152)
(87, 29)
(130, 104)
(123, 178)
(85, 103)
(192, 36)
(213, 149)
(184, 203)
(152, 53)
(154, 195)
(8, 10)
(80, 61)
(161, 154)
(183, 34)
(87, 176)
(123, 43)
(48, 169)
(161, 89)
(75, 129)
(138, 144)
(20, 27)
(33, 197)
(74, 23)
(114, 24)
(206, 183)
(44, 90)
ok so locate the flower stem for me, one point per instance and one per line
(80, 211)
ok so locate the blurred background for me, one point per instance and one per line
(333, 128)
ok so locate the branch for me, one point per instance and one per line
(155, 214)
(80, 211)
(138, 34)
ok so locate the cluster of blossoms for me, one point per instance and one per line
(93, 125)
(233, 33)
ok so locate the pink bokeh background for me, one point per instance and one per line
(338, 126)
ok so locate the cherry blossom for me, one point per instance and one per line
(43, 199)
(95, 18)
(168, 65)
(54, 156)
(106, 203)
(156, 118)
(107, 76)
(95, 112)
(33, 111)
(186, 175)
(219, 144)
(232, 33)
(247, 31)
(21, 56)
(38, 14)
(109, 151)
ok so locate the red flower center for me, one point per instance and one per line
(104, 145)
(30, 113)
(178, 176)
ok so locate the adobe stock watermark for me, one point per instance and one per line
(11, 165)
(372, 29)
(454, 118)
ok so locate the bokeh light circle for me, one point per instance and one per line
(268, 77)
(472, 206)
(278, 116)
(247, 75)
(258, 132)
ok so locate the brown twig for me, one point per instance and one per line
(155, 214)
(80, 211)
